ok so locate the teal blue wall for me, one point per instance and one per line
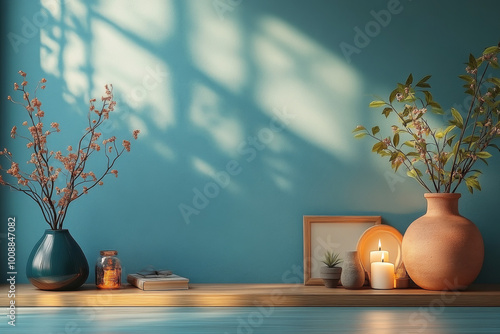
(205, 83)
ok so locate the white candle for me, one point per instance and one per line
(376, 256)
(382, 275)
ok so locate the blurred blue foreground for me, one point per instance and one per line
(222, 320)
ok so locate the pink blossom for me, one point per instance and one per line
(96, 136)
(73, 163)
(36, 102)
(126, 144)
(14, 170)
(54, 177)
(23, 182)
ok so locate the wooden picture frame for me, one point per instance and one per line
(331, 233)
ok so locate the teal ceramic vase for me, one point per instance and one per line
(57, 262)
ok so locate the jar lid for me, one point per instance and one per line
(109, 253)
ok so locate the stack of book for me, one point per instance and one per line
(158, 280)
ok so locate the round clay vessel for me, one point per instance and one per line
(443, 250)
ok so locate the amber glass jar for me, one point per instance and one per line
(108, 270)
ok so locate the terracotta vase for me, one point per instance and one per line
(443, 250)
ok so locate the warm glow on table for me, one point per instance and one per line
(234, 295)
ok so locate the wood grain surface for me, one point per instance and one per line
(237, 295)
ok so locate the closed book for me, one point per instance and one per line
(170, 282)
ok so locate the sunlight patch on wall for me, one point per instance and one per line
(74, 59)
(163, 150)
(72, 52)
(209, 112)
(135, 122)
(280, 172)
(49, 51)
(216, 175)
(75, 15)
(151, 20)
(314, 83)
(217, 46)
(139, 76)
(97, 50)
(202, 166)
(49, 39)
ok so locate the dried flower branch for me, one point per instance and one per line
(41, 185)
(448, 155)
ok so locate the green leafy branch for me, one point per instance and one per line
(446, 155)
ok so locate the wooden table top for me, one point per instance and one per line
(236, 295)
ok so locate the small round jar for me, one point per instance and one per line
(108, 270)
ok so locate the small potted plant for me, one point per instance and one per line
(331, 273)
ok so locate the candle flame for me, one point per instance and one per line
(379, 245)
(382, 257)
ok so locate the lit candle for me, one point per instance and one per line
(382, 275)
(376, 256)
(110, 279)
